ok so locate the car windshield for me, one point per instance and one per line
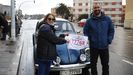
(64, 26)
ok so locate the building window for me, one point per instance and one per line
(120, 3)
(113, 9)
(73, 4)
(113, 3)
(80, 4)
(105, 3)
(80, 10)
(86, 4)
(73, 10)
(113, 15)
(120, 9)
(106, 9)
(119, 15)
(120, 21)
(86, 9)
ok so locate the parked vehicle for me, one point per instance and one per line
(69, 61)
(82, 22)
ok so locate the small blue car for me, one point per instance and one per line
(69, 61)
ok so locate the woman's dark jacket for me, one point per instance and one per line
(100, 31)
(46, 43)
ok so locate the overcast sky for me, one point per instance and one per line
(39, 7)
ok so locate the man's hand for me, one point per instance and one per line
(63, 35)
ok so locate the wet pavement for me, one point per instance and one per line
(123, 42)
(26, 62)
(10, 53)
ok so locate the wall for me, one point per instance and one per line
(128, 23)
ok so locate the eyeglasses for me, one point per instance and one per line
(51, 19)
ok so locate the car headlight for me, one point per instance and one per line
(87, 49)
(87, 53)
(83, 57)
(57, 61)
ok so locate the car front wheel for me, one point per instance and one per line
(85, 71)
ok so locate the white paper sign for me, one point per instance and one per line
(77, 41)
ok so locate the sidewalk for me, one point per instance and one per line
(9, 56)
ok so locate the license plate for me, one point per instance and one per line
(76, 71)
(71, 72)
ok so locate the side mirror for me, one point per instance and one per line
(56, 27)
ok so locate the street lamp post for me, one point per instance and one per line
(13, 21)
(18, 11)
(23, 3)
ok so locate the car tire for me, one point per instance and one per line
(85, 71)
(54, 73)
(36, 71)
(33, 39)
(51, 72)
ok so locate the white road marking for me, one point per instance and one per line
(128, 62)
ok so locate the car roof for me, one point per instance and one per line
(61, 19)
(57, 19)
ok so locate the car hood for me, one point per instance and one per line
(68, 56)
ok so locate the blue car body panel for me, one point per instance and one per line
(68, 56)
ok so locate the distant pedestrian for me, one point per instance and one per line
(46, 44)
(100, 32)
(3, 25)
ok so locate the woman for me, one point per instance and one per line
(46, 44)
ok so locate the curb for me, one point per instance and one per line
(14, 68)
(21, 48)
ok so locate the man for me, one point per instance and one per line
(100, 32)
(4, 26)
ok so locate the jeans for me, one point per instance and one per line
(44, 67)
(104, 56)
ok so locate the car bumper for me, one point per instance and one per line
(70, 66)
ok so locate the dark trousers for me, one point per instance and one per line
(44, 67)
(104, 56)
(3, 36)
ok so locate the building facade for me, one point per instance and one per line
(5, 8)
(128, 23)
(81, 7)
(112, 8)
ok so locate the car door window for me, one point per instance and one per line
(66, 27)
(69, 27)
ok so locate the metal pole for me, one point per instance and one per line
(91, 6)
(13, 36)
